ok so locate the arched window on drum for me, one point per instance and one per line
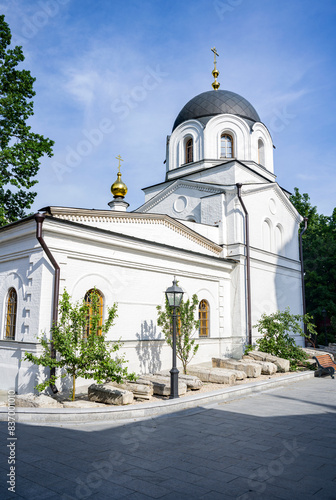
(204, 318)
(226, 146)
(189, 151)
(261, 153)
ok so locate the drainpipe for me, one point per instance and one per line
(39, 221)
(305, 220)
(248, 264)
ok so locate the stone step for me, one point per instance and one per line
(161, 384)
(267, 368)
(108, 394)
(193, 383)
(282, 364)
(215, 375)
(252, 370)
(140, 391)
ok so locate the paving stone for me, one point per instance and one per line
(180, 486)
(217, 450)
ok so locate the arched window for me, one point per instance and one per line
(261, 152)
(204, 319)
(93, 298)
(226, 146)
(266, 234)
(189, 151)
(11, 314)
(278, 239)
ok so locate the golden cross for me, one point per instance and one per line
(120, 159)
(215, 54)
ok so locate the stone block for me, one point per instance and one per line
(106, 393)
(214, 375)
(317, 352)
(140, 391)
(193, 383)
(282, 364)
(161, 384)
(31, 400)
(252, 370)
(267, 368)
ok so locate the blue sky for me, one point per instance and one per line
(112, 75)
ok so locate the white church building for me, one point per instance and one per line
(219, 222)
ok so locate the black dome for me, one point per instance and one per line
(216, 102)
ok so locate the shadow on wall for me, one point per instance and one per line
(149, 348)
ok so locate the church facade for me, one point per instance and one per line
(219, 222)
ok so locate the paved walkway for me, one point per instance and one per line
(275, 445)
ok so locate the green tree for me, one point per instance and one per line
(79, 355)
(20, 148)
(276, 330)
(319, 258)
(186, 346)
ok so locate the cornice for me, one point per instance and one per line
(84, 216)
(171, 188)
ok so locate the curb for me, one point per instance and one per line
(50, 415)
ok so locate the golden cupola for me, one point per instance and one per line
(119, 188)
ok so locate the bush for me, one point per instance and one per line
(277, 328)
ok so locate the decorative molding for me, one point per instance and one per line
(170, 189)
(105, 216)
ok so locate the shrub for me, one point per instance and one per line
(277, 328)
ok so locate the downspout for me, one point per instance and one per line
(305, 220)
(39, 221)
(248, 265)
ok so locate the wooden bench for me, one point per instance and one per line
(325, 364)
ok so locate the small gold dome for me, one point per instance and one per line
(118, 188)
(215, 73)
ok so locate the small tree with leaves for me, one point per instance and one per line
(78, 354)
(186, 346)
(276, 330)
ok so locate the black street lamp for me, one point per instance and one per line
(324, 314)
(174, 296)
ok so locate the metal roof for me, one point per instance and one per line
(216, 102)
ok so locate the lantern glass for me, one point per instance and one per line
(174, 295)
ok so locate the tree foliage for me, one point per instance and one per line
(77, 355)
(187, 325)
(319, 258)
(20, 148)
(277, 330)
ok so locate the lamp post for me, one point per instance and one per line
(174, 296)
(324, 314)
